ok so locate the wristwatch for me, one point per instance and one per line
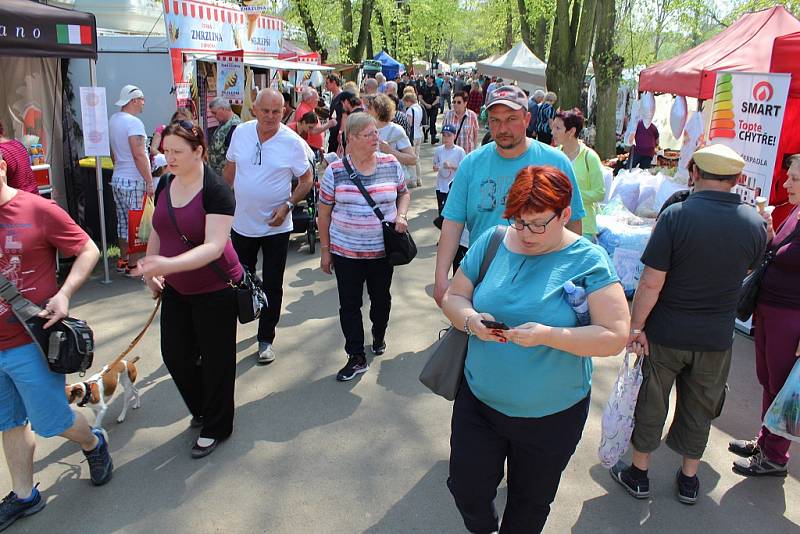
(290, 204)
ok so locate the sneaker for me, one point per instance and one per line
(638, 488)
(759, 466)
(688, 488)
(122, 265)
(378, 347)
(265, 353)
(13, 508)
(100, 464)
(419, 182)
(355, 366)
(744, 447)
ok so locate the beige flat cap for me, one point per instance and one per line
(719, 159)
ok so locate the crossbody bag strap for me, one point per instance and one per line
(21, 307)
(356, 180)
(461, 125)
(491, 251)
(188, 242)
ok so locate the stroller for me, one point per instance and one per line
(304, 214)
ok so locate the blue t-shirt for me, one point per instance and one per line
(518, 289)
(478, 193)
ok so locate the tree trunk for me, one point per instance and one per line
(607, 69)
(382, 39)
(311, 31)
(524, 25)
(404, 34)
(570, 45)
(366, 19)
(539, 47)
(370, 47)
(509, 37)
(346, 37)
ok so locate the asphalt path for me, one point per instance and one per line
(312, 455)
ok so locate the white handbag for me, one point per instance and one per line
(618, 413)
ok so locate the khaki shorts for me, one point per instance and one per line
(700, 378)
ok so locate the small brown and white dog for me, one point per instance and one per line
(98, 389)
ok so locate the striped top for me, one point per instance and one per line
(355, 230)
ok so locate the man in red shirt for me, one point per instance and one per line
(32, 398)
(309, 103)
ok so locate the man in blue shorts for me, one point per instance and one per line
(478, 193)
(32, 398)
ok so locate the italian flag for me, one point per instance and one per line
(74, 34)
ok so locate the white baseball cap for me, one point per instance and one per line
(128, 93)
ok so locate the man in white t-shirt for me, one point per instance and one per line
(263, 158)
(132, 177)
(415, 114)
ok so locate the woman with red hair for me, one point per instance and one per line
(527, 383)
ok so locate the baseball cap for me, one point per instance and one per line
(449, 129)
(719, 159)
(508, 95)
(128, 93)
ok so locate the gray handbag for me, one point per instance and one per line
(445, 369)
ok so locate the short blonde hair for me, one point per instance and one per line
(382, 106)
(357, 122)
(351, 87)
(409, 89)
(550, 97)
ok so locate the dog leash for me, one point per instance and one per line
(136, 340)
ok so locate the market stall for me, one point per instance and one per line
(518, 64)
(35, 38)
(390, 67)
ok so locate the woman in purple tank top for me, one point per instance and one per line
(191, 232)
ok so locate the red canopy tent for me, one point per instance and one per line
(765, 41)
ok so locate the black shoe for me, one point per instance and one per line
(688, 488)
(202, 452)
(196, 422)
(744, 447)
(355, 366)
(759, 466)
(434, 141)
(378, 347)
(100, 465)
(638, 488)
(13, 508)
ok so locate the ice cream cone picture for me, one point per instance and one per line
(252, 17)
(722, 119)
(230, 81)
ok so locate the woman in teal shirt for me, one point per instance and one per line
(526, 394)
(567, 126)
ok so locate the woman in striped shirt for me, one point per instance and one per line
(351, 236)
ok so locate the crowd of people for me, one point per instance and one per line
(516, 212)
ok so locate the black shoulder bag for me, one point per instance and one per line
(68, 345)
(444, 371)
(752, 282)
(400, 248)
(250, 297)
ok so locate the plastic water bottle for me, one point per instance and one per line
(576, 296)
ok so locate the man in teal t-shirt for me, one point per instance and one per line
(478, 193)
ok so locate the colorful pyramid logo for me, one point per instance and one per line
(722, 122)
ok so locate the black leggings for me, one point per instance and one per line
(202, 326)
(537, 450)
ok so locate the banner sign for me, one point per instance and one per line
(230, 77)
(202, 25)
(94, 121)
(747, 116)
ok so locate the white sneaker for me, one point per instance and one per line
(265, 353)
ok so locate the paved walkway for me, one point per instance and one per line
(311, 455)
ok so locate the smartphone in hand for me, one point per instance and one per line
(494, 325)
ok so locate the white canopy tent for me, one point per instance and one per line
(518, 64)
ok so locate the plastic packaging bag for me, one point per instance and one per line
(146, 223)
(783, 416)
(648, 187)
(617, 424)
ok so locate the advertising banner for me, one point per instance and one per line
(747, 116)
(200, 25)
(94, 121)
(230, 77)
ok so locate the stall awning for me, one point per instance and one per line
(31, 29)
(746, 45)
(263, 62)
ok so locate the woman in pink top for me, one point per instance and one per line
(191, 263)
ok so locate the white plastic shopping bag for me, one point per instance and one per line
(618, 413)
(783, 416)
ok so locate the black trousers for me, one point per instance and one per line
(441, 198)
(194, 326)
(351, 274)
(643, 162)
(431, 114)
(537, 450)
(274, 249)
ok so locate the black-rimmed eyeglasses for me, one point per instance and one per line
(519, 224)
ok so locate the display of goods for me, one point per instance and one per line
(677, 116)
(647, 109)
(625, 244)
